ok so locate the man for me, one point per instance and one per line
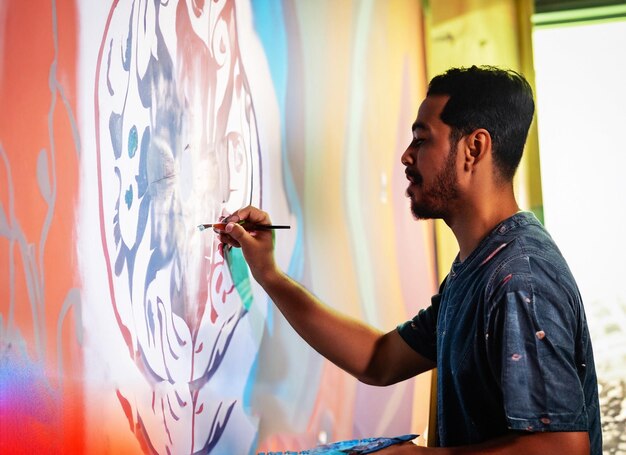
(507, 331)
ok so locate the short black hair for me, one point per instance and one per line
(498, 100)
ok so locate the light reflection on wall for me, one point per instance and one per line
(581, 104)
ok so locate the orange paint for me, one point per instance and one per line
(35, 127)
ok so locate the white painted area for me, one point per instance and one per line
(581, 102)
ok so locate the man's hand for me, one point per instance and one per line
(257, 246)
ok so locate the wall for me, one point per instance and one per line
(124, 125)
(485, 32)
(581, 110)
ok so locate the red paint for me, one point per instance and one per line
(493, 253)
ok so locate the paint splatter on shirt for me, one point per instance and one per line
(509, 334)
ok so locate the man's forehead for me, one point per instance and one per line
(429, 112)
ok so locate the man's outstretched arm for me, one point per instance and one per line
(370, 355)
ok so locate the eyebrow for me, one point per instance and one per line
(419, 126)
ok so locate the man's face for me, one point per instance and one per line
(430, 162)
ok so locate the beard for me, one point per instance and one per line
(434, 199)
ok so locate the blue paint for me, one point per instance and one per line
(128, 197)
(354, 446)
(24, 385)
(270, 26)
(269, 22)
(115, 132)
(129, 42)
(142, 176)
(248, 391)
(150, 314)
(133, 140)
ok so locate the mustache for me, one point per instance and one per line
(413, 176)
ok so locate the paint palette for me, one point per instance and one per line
(351, 447)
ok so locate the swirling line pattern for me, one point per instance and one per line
(177, 144)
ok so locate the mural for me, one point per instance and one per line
(177, 144)
(41, 398)
(124, 329)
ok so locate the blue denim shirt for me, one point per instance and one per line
(509, 335)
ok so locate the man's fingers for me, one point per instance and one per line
(243, 237)
(236, 232)
(233, 234)
(250, 214)
(228, 240)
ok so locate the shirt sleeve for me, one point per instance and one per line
(421, 332)
(533, 331)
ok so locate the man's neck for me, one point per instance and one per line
(472, 224)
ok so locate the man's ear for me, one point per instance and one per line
(478, 147)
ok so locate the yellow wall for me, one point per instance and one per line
(484, 32)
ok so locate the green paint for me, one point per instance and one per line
(239, 274)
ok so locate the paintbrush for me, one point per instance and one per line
(245, 224)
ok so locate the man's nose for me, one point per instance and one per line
(407, 157)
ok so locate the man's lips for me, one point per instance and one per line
(413, 177)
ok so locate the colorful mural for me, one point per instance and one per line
(177, 143)
(123, 328)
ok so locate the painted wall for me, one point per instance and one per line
(123, 125)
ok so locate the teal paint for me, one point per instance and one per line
(133, 140)
(128, 197)
(239, 274)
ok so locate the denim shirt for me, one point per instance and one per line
(509, 335)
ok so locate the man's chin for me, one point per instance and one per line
(424, 213)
